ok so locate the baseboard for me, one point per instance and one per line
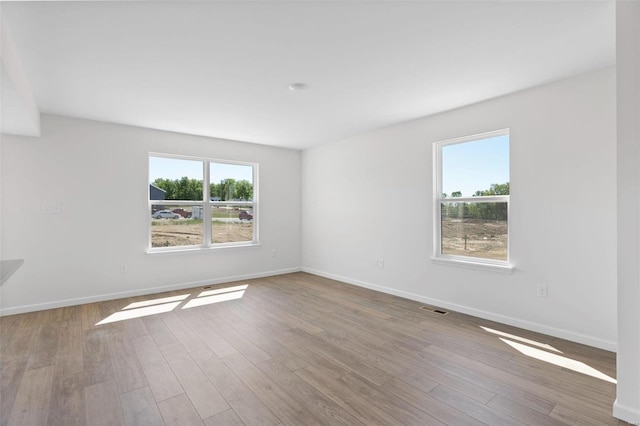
(528, 325)
(628, 414)
(139, 292)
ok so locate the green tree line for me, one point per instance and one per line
(191, 189)
(484, 211)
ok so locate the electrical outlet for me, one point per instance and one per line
(274, 253)
(542, 290)
(51, 208)
(380, 263)
(123, 268)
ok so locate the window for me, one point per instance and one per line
(201, 203)
(471, 194)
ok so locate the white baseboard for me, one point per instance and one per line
(628, 414)
(139, 292)
(527, 325)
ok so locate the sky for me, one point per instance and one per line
(474, 166)
(173, 168)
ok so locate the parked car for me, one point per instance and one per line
(166, 214)
(246, 215)
(182, 212)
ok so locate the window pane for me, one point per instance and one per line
(175, 179)
(231, 182)
(471, 168)
(475, 229)
(231, 224)
(173, 226)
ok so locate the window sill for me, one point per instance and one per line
(503, 269)
(186, 250)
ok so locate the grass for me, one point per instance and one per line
(164, 222)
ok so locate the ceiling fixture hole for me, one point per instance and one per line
(296, 87)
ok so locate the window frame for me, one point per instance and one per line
(496, 265)
(207, 206)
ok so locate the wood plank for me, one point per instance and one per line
(272, 395)
(135, 328)
(8, 326)
(66, 406)
(162, 382)
(324, 344)
(158, 330)
(309, 354)
(391, 404)
(126, 368)
(179, 411)
(196, 385)
(247, 348)
(430, 405)
(90, 316)
(46, 346)
(209, 336)
(69, 354)
(102, 404)
(269, 345)
(31, 405)
(242, 400)
(11, 373)
(522, 412)
(476, 410)
(572, 417)
(18, 347)
(140, 408)
(321, 406)
(185, 335)
(356, 405)
(226, 418)
(96, 360)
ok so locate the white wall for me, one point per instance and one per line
(19, 113)
(98, 173)
(627, 405)
(370, 196)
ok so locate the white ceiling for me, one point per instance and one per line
(222, 69)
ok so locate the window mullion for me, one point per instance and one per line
(207, 204)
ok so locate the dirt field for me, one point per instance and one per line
(487, 239)
(181, 232)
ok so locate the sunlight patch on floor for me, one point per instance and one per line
(156, 301)
(223, 290)
(520, 339)
(139, 312)
(559, 360)
(163, 305)
(216, 298)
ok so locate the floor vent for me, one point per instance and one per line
(434, 310)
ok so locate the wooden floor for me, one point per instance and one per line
(293, 350)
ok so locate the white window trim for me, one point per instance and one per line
(457, 260)
(207, 206)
